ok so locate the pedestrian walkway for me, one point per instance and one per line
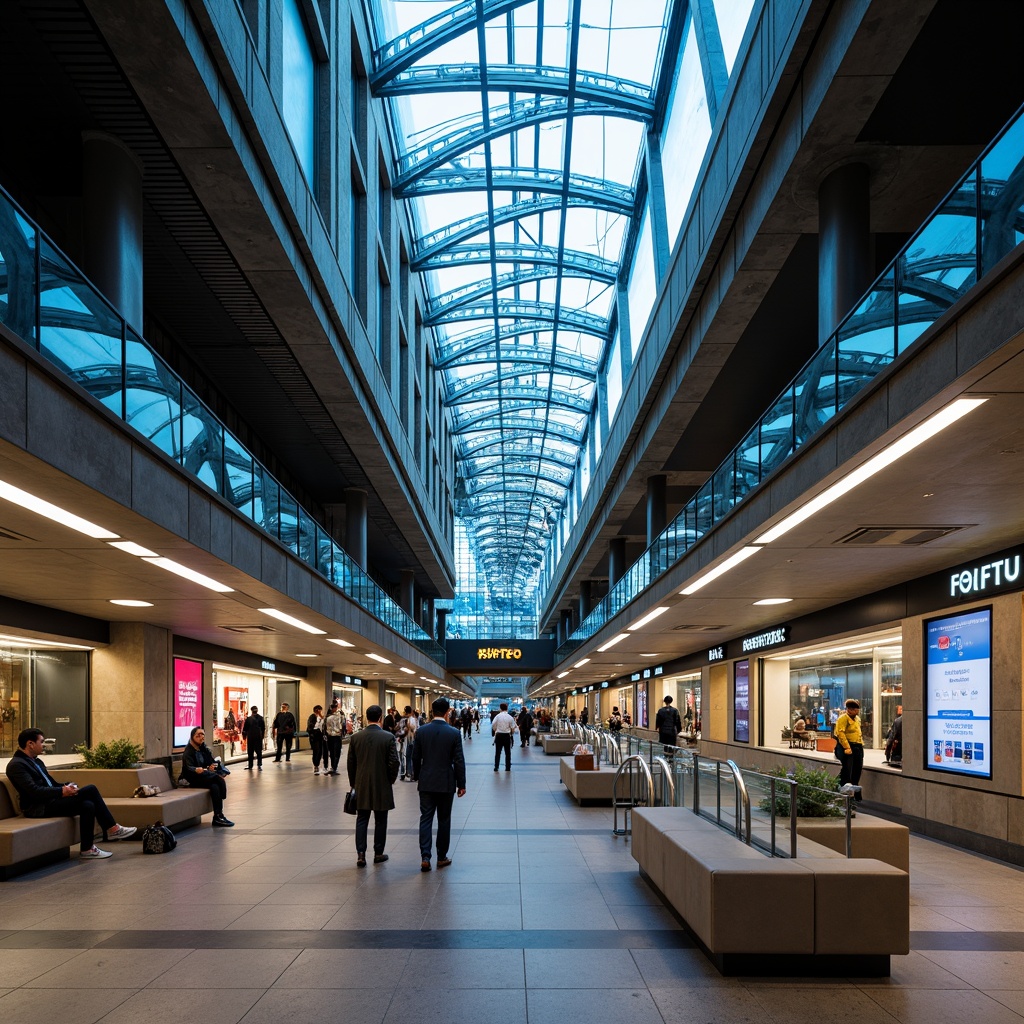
(541, 919)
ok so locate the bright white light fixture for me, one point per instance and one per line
(562, 675)
(292, 621)
(608, 645)
(649, 617)
(49, 511)
(340, 643)
(126, 603)
(906, 444)
(189, 574)
(774, 600)
(407, 671)
(582, 662)
(378, 657)
(730, 563)
(133, 549)
(305, 655)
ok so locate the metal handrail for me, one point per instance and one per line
(668, 784)
(646, 772)
(744, 801)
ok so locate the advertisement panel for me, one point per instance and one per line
(958, 693)
(188, 698)
(741, 694)
(641, 706)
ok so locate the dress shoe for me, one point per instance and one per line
(425, 865)
(361, 861)
(379, 858)
(247, 768)
(220, 821)
(443, 862)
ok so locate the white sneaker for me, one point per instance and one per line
(121, 832)
(95, 854)
(846, 789)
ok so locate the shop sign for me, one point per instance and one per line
(270, 666)
(982, 579)
(769, 638)
(716, 653)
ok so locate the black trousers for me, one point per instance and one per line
(441, 804)
(380, 831)
(316, 744)
(333, 755)
(90, 808)
(287, 741)
(255, 748)
(503, 741)
(851, 765)
(216, 785)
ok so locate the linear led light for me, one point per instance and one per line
(380, 658)
(649, 617)
(582, 662)
(133, 549)
(189, 574)
(129, 603)
(906, 444)
(292, 621)
(607, 646)
(562, 675)
(59, 515)
(407, 671)
(730, 563)
(340, 643)
(774, 600)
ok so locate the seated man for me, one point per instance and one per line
(42, 797)
(801, 734)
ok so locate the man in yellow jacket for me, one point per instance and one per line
(850, 750)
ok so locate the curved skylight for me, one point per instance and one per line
(519, 126)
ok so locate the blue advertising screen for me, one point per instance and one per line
(958, 693)
(742, 702)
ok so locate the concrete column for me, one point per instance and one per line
(427, 622)
(355, 525)
(442, 624)
(381, 698)
(566, 623)
(657, 507)
(559, 636)
(844, 244)
(616, 560)
(112, 222)
(585, 599)
(315, 689)
(656, 207)
(131, 693)
(407, 592)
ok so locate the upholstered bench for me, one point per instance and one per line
(558, 744)
(594, 786)
(29, 843)
(176, 808)
(870, 837)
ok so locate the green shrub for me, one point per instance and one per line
(120, 753)
(811, 802)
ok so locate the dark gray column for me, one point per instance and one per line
(585, 599)
(566, 620)
(559, 633)
(112, 222)
(616, 560)
(442, 624)
(407, 592)
(657, 507)
(844, 244)
(427, 622)
(355, 525)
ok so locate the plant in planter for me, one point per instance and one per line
(120, 753)
(814, 794)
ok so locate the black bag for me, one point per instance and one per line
(158, 838)
(350, 802)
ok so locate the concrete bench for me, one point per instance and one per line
(558, 744)
(870, 837)
(754, 914)
(589, 786)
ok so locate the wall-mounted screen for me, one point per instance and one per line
(188, 698)
(958, 693)
(741, 702)
(641, 706)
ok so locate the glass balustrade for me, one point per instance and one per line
(976, 225)
(48, 303)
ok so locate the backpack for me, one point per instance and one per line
(158, 838)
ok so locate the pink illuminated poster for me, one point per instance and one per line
(188, 698)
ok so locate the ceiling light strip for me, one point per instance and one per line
(31, 503)
(292, 621)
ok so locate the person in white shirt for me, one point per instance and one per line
(502, 728)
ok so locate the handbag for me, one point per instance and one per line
(350, 802)
(158, 838)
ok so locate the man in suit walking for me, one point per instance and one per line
(372, 771)
(439, 766)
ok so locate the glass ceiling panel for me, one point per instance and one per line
(520, 290)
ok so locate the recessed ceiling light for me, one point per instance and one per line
(650, 655)
(581, 662)
(340, 643)
(774, 600)
(292, 621)
(189, 574)
(126, 603)
(305, 655)
(730, 563)
(378, 657)
(407, 671)
(649, 617)
(17, 496)
(132, 548)
(609, 644)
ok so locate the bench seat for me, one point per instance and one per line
(588, 786)
(558, 745)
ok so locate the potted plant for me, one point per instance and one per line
(121, 753)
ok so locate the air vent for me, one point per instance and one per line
(897, 536)
(258, 628)
(697, 629)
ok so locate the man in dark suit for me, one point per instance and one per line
(41, 796)
(372, 770)
(439, 766)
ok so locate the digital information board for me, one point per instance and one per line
(958, 693)
(741, 693)
(188, 698)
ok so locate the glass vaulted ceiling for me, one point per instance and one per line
(519, 127)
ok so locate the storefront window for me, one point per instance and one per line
(685, 692)
(47, 688)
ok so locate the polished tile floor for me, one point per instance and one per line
(541, 918)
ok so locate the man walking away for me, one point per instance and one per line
(254, 729)
(372, 771)
(668, 725)
(502, 728)
(525, 723)
(439, 766)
